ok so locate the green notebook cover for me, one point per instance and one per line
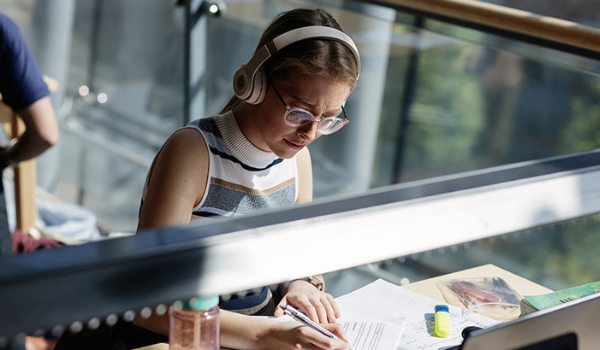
(543, 301)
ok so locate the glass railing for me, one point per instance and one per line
(437, 97)
(469, 219)
(434, 98)
(438, 104)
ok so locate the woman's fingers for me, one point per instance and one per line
(320, 341)
(319, 306)
(333, 311)
(277, 335)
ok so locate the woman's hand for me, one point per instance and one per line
(248, 332)
(294, 335)
(319, 306)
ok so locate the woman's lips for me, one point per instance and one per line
(295, 146)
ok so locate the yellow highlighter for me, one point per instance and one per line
(442, 321)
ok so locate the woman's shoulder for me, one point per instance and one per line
(185, 138)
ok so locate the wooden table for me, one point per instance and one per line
(429, 288)
(523, 286)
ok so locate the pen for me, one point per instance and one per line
(299, 316)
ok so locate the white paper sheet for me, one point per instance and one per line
(372, 335)
(366, 334)
(387, 302)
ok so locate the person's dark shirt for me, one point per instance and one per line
(21, 81)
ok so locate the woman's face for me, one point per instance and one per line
(321, 96)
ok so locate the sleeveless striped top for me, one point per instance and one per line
(241, 179)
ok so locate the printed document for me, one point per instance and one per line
(395, 306)
(364, 334)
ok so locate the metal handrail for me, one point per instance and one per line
(102, 279)
(506, 19)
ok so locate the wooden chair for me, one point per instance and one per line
(25, 172)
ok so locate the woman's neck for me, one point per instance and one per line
(245, 114)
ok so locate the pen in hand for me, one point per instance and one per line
(299, 316)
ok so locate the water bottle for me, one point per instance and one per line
(194, 325)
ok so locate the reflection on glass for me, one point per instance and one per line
(559, 256)
(433, 99)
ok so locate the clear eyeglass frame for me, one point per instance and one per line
(295, 116)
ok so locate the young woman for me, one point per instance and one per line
(254, 155)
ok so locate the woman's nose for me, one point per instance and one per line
(309, 131)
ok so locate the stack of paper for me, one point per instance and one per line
(391, 317)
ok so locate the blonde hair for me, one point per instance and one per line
(308, 57)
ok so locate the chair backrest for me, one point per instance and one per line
(25, 179)
(5, 234)
(24, 173)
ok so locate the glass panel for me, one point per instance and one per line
(557, 256)
(452, 99)
(129, 56)
(478, 101)
(349, 154)
(119, 99)
(434, 99)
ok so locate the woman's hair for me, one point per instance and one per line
(323, 57)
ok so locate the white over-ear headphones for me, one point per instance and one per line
(249, 82)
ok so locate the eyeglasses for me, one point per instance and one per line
(297, 117)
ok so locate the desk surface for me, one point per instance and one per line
(523, 286)
(429, 288)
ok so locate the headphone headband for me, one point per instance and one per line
(249, 80)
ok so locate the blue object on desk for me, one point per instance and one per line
(442, 321)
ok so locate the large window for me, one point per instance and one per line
(434, 99)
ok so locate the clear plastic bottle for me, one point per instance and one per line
(195, 325)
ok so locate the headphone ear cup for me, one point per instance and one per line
(259, 88)
(250, 81)
(241, 84)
